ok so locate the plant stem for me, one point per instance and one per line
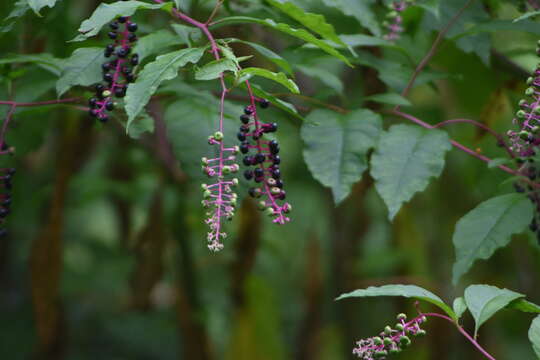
(423, 63)
(462, 331)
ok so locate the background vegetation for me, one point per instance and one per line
(106, 255)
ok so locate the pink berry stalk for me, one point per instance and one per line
(395, 20)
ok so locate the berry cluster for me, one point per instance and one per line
(525, 141)
(118, 71)
(391, 340)
(219, 197)
(394, 24)
(262, 156)
(6, 174)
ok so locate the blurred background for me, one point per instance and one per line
(106, 255)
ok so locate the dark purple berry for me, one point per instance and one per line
(248, 174)
(109, 105)
(93, 112)
(114, 25)
(104, 118)
(122, 52)
(244, 118)
(258, 172)
(244, 148)
(241, 136)
(247, 160)
(112, 35)
(264, 103)
(108, 77)
(248, 110)
(276, 159)
(92, 102)
(259, 158)
(134, 59)
(120, 92)
(122, 19)
(276, 174)
(132, 37)
(132, 27)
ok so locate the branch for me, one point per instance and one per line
(433, 50)
(39, 103)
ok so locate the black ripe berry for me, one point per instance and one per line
(132, 27)
(258, 172)
(109, 105)
(120, 92)
(259, 158)
(244, 118)
(112, 35)
(114, 25)
(241, 136)
(134, 59)
(264, 103)
(248, 110)
(92, 102)
(244, 148)
(122, 19)
(122, 52)
(248, 174)
(247, 160)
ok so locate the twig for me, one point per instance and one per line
(214, 12)
(433, 50)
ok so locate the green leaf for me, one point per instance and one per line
(19, 9)
(406, 158)
(165, 67)
(326, 77)
(44, 60)
(361, 10)
(524, 306)
(297, 33)
(493, 163)
(336, 147)
(187, 33)
(82, 68)
(534, 335)
(484, 301)
(408, 291)
(459, 306)
(389, 98)
(314, 22)
(143, 123)
(105, 13)
(283, 105)
(267, 53)
(527, 15)
(215, 68)
(431, 6)
(487, 228)
(155, 43)
(37, 5)
(280, 78)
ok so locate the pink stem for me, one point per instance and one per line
(462, 331)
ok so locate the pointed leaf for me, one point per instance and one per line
(524, 306)
(143, 123)
(487, 228)
(37, 5)
(361, 10)
(105, 13)
(165, 67)
(267, 53)
(314, 22)
(484, 301)
(44, 60)
(336, 147)
(389, 98)
(408, 291)
(215, 68)
(82, 68)
(284, 28)
(459, 306)
(19, 9)
(534, 335)
(407, 157)
(280, 78)
(155, 43)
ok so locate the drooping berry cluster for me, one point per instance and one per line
(6, 175)
(391, 340)
(219, 197)
(118, 70)
(525, 142)
(394, 24)
(262, 158)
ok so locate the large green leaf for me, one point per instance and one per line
(280, 78)
(215, 68)
(297, 33)
(527, 15)
(361, 10)
(336, 147)
(326, 77)
(405, 160)
(105, 13)
(408, 291)
(487, 228)
(484, 301)
(267, 53)
(283, 105)
(534, 335)
(189, 123)
(314, 22)
(37, 5)
(165, 67)
(155, 43)
(142, 124)
(524, 306)
(43, 60)
(82, 68)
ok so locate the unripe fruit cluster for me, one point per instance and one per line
(117, 70)
(394, 22)
(392, 340)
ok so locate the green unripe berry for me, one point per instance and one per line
(394, 351)
(522, 102)
(529, 91)
(399, 327)
(207, 194)
(402, 317)
(524, 135)
(392, 14)
(261, 205)
(270, 211)
(377, 340)
(530, 80)
(204, 161)
(275, 190)
(381, 354)
(521, 114)
(421, 333)
(218, 135)
(404, 341)
(387, 341)
(235, 182)
(106, 93)
(226, 170)
(204, 187)
(388, 330)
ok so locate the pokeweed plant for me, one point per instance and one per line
(135, 72)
